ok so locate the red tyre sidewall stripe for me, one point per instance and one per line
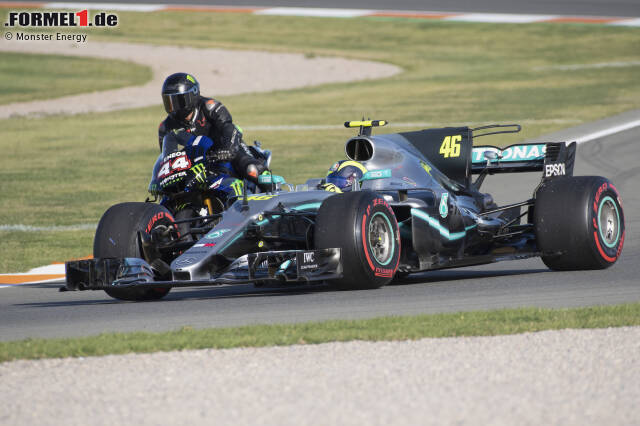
(617, 197)
(620, 245)
(156, 218)
(364, 243)
(614, 189)
(364, 239)
(601, 190)
(602, 253)
(397, 236)
(397, 264)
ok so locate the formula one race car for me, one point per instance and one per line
(415, 209)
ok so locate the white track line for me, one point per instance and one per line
(577, 67)
(56, 268)
(501, 18)
(635, 22)
(107, 6)
(608, 132)
(316, 12)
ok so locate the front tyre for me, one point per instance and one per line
(363, 225)
(117, 236)
(579, 223)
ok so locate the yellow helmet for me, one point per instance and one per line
(344, 173)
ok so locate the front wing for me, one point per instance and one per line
(288, 266)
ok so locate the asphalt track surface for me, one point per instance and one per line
(41, 311)
(561, 7)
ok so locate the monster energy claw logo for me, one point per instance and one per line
(238, 187)
(198, 171)
(444, 205)
(426, 167)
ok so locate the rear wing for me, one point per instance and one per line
(552, 158)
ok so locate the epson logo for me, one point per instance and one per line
(554, 170)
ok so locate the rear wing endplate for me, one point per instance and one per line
(552, 158)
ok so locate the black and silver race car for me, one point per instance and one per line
(417, 208)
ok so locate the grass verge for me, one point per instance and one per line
(27, 77)
(26, 250)
(481, 323)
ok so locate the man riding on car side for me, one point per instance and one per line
(201, 116)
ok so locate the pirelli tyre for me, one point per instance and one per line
(363, 225)
(116, 236)
(579, 223)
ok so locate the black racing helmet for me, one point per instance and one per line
(180, 93)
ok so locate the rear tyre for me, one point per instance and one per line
(579, 223)
(363, 225)
(116, 236)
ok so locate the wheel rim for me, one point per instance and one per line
(381, 238)
(609, 222)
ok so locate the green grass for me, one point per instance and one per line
(485, 323)
(22, 251)
(69, 170)
(26, 77)
(454, 71)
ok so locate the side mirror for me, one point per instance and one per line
(490, 155)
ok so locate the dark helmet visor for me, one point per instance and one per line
(345, 177)
(177, 102)
(340, 182)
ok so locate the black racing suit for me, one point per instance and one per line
(212, 119)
